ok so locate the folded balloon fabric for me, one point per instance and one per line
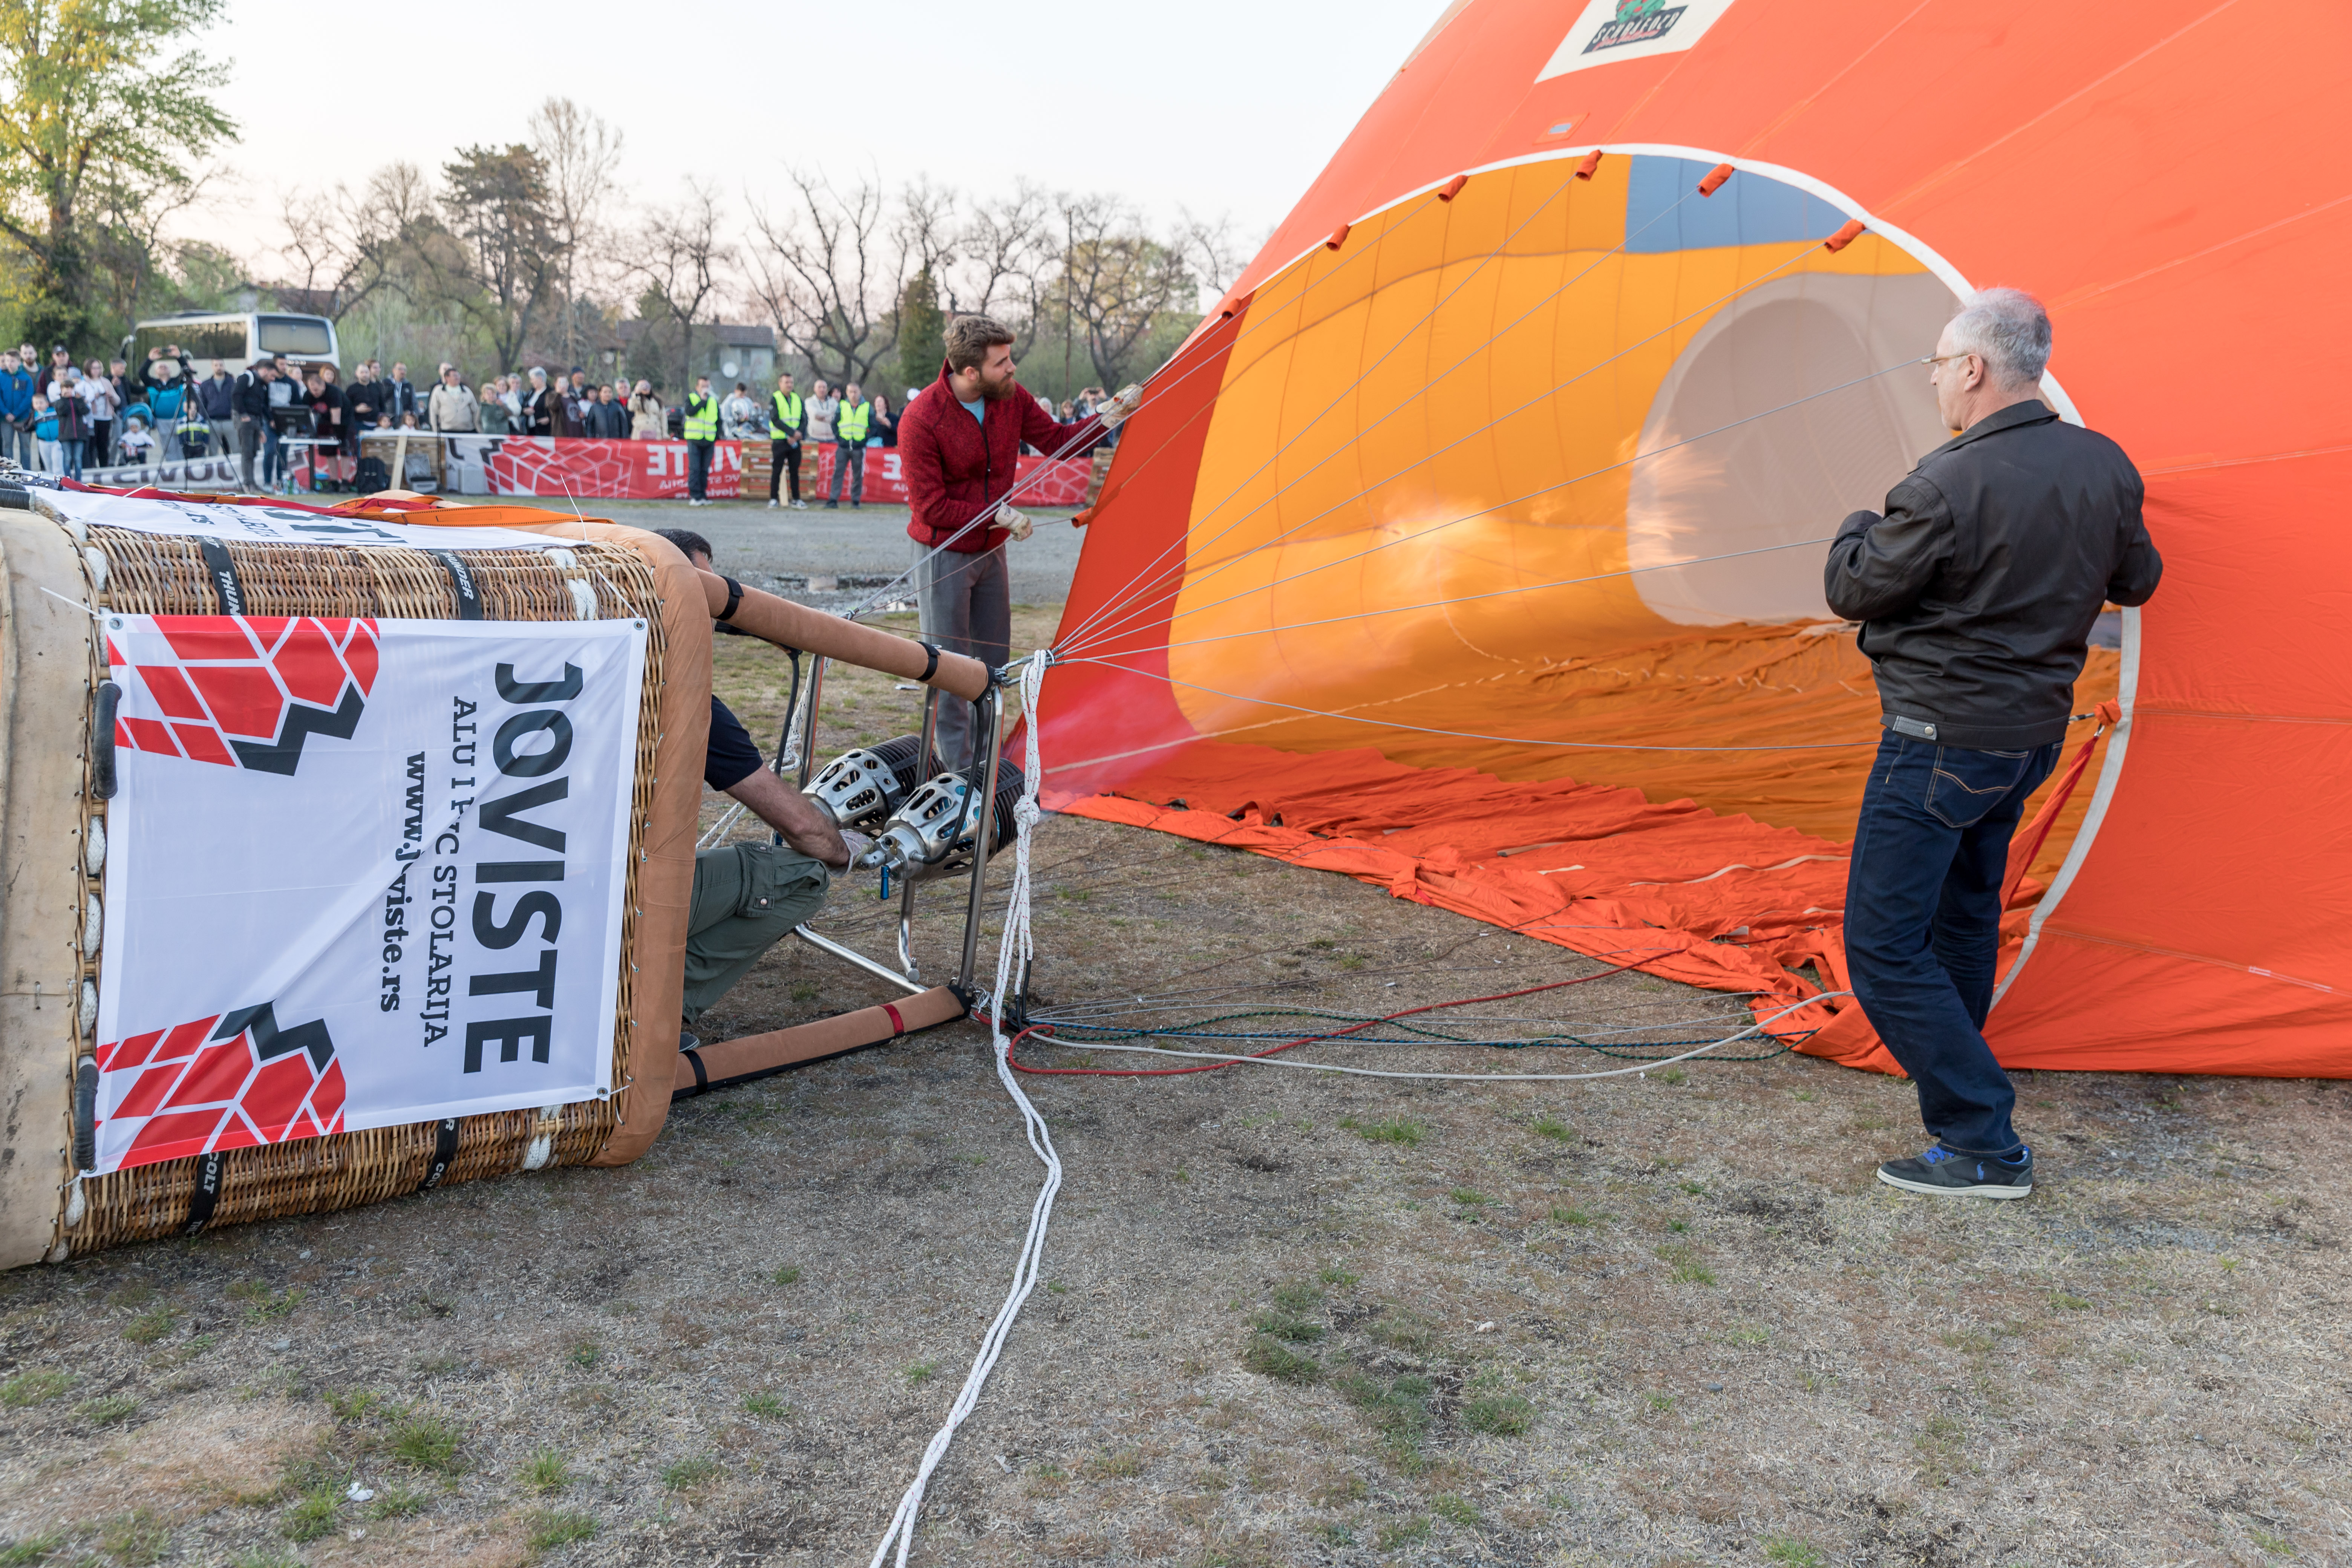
(1724, 903)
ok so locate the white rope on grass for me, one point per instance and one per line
(1013, 958)
(1752, 1029)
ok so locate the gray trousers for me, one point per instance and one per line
(747, 897)
(17, 445)
(248, 443)
(967, 607)
(851, 460)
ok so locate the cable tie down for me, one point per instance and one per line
(1339, 237)
(1453, 187)
(1854, 229)
(1715, 178)
(1585, 170)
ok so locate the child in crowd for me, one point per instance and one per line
(136, 446)
(44, 435)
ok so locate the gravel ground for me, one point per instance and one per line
(1292, 1318)
(860, 550)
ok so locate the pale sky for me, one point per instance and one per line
(1222, 106)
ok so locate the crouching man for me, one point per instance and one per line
(749, 897)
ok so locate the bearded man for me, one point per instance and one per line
(958, 444)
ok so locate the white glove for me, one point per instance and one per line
(1013, 522)
(1115, 412)
(858, 844)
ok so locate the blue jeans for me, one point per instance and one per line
(69, 457)
(1923, 923)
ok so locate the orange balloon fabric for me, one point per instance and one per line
(1473, 546)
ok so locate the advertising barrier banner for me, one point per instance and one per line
(551, 469)
(358, 873)
(657, 470)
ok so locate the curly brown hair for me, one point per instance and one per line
(970, 336)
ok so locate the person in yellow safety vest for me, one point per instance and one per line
(701, 440)
(849, 427)
(787, 423)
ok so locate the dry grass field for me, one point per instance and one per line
(1292, 1318)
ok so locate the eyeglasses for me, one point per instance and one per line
(1943, 359)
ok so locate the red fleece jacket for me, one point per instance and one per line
(957, 469)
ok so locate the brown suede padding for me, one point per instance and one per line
(824, 1037)
(778, 620)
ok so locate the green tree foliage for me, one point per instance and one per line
(103, 118)
(922, 330)
(498, 208)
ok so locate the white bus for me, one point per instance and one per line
(235, 338)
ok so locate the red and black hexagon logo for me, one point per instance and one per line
(225, 1082)
(247, 691)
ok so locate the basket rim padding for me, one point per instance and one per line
(48, 648)
(756, 1056)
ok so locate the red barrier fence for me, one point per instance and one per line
(655, 471)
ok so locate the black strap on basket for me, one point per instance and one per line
(85, 1125)
(206, 1197)
(734, 599)
(444, 1150)
(931, 668)
(701, 1074)
(226, 588)
(101, 740)
(461, 583)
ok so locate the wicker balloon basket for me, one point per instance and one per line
(60, 576)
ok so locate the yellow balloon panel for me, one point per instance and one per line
(1551, 418)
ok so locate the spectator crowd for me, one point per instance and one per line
(62, 418)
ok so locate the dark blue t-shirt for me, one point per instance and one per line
(731, 757)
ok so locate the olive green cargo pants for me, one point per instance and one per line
(747, 897)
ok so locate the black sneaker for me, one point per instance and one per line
(688, 1042)
(1940, 1172)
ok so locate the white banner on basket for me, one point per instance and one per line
(358, 873)
(277, 524)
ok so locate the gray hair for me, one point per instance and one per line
(2008, 330)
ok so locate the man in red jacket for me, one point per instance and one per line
(958, 444)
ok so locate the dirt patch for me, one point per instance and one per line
(1292, 1318)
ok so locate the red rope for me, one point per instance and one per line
(1018, 1065)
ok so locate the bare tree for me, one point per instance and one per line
(1115, 284)
(582, 155)
(682, 264)
(1211, 252)
(342, 248)
(1004, 254)
(829, 276)
(925, 232)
